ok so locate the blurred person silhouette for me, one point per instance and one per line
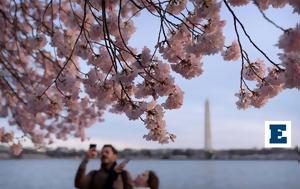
(109, 176)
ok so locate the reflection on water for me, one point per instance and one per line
(59, 174)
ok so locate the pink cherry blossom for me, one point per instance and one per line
(7, 137)
(275, 76)
(258, 100)
(37, 138)
(176, 7)
(188, 68)
(290, 40)
(16, 149)
(279, 3)
(269, 90)
(96, 32)
(255, 70)
(3, 111)
(175, 99)
(263, 4)
(233, 52)
(64, 65)
(1, 133)
(211, 43)
(156, 125)
(244, 101)
(296, 5)
(145, 58)
(292, 64)
(238, 2)
(134, 112)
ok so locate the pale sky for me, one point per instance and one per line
(231, 128)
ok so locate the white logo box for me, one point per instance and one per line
(287, 133)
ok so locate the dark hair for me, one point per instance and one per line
(114, 150)
(153, 180)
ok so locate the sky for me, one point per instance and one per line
(231, 127)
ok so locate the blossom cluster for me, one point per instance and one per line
(64, 63)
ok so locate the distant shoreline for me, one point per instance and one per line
(163, 154)
(167, 160)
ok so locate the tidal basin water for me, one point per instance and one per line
(59, 174)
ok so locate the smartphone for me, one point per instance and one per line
(93, 150)
(125, 161)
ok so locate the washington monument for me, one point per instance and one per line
(207, 131)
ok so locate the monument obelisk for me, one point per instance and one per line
(207, 132)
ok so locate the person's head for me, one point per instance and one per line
(109, 154)
(147, 179)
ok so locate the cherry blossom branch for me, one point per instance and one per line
(248, 36)
(6, 83)
(268, 19)
(45, 43)
(71, 54)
